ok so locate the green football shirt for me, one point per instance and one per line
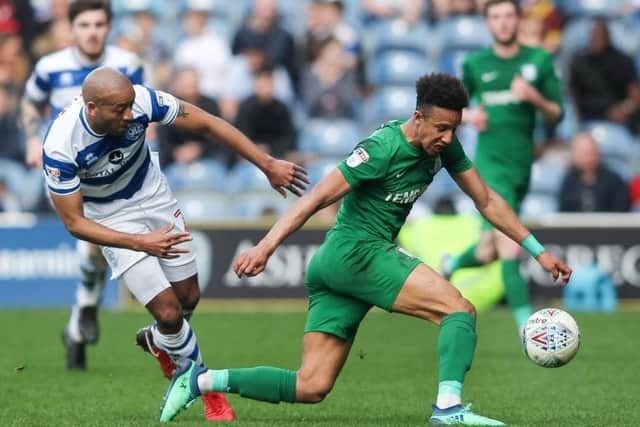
(505, 150)
(387, 174)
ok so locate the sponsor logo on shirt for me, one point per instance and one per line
(405, 197)
(499, 97)
(358, 157)
(116, 157)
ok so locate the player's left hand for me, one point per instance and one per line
(557, 268)
(286, 175)
(251, 262)
(523, 90)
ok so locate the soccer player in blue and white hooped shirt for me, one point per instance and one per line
(108, 191)
(57, 80)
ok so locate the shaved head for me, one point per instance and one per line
(108, 98)
(104, 84)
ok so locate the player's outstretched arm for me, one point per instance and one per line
(160, 243)
(30, 117)
(499, 213)
(329, 190)
(281, 174)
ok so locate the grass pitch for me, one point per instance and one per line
(389, 380)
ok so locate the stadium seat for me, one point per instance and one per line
(396, 34)
(204, 206)
(387, 103)
(251, 206)
(546, 178)
(590, 8)
(463, 33)
(399, 67)
(245, 177)
(451, 61)
(321, 168)
(125, 7)
(625, 36)
(205, 174)
(614, 140)
(538, 205)
(569, 125)
(335, 138)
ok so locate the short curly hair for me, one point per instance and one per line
(440, 90)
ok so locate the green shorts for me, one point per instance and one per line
(347, 277)
(512, 194)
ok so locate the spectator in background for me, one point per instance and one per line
(14, 62)
(410, 11)
(184, 147)
(548, 18)
(604, 81)
(326, 20)
(240, 80)
(328, 85)
(143, 36)
(11, 147)
(278, 44)
(203, 50)
(8, 201)
(265, 119)
(589, 186)
(452, 8)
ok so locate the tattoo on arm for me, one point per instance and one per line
(182, 112)
(30, 119)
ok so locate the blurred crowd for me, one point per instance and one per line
(307, 79)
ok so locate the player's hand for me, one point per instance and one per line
(251, 262)
(557, 268)
(162, 243)
(286, 175)
(523, 90)
(477, 117)
(34, 153)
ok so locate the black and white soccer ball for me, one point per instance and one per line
(550, 338)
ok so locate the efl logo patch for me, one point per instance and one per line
(358, 157)
(54, 173)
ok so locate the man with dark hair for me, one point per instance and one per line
(509, 83)
(359, 266)
(56, 80)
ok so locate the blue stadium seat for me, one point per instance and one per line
(451, 61)
(321, 168)
(245, 177)
(252, 206)
(614, 140)
(463, 33)
(538, 205)
(387, 103)
(204, 206)
(334, 138)
(569, 126)
(400, 67)
(396, 34)
(590, 8)
(546, 178)
(205, 174)
(156, 7)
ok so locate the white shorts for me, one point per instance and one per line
(149, 215)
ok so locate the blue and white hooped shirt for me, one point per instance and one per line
(112, 172)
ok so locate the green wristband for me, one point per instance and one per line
(532, 246)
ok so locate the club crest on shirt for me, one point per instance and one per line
(134, 131)
(358, 157)
(529, 72)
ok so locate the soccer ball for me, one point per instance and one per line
(550, 338)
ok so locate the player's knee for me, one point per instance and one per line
(312, 389)
(464, 305)
(191, 299)
(169, 317)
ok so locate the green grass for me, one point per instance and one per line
(389, 380)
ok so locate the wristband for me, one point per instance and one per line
(532, 246)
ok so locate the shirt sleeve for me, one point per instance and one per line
(454, 159)
(136, 76)
(467, 78)
(368, 161)
(161, 106)
(38, 86)
(60, 171)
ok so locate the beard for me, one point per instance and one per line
(508, 41)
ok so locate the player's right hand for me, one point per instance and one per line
(251, 262)
(558, 269)
(162, 243)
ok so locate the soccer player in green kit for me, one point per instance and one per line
(359, 265)
(509, 83)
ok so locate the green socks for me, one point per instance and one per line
(456, 345)
(517, 291)
(466, 259)
(262, 383)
